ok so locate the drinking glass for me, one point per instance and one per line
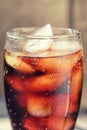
(43, 78)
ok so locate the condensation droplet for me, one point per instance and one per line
(51, 77)
(46, 94)
(5, 71)
(8, 104)
(15, 113)
(10, 110)
(19, 129)
(43, 71)
(15, 95)
(34, 63)
(11, 90)
(9, 100)
(11, 82)
(25, 84)
(20, 124)
(14, 124)
(25, 115)
(23, 77)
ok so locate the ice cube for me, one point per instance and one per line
(46, 30)
(18, 64)
(44, 83)
(40, 44)
(65, 47)
(38, 106)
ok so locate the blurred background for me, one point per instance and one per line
(60, 13)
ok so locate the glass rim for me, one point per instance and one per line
(69, 33)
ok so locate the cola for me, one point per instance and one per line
(43, 92)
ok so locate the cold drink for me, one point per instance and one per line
(43, 92)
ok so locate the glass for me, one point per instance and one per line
(43, 82)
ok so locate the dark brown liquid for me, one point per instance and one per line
(45, 95)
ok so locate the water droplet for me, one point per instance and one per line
(11, 90)
(15, 95)
(5, 71)
(51, 77)
(14, 124)
(8, 104)
(43, 71)
(34, 63)
(23, 76)
(20, 124)
(25, 84)
(25, 115)
(20, 129)
(11, 82)
(15, 113)
(10, 110)
(9, 100)
(46, 94)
